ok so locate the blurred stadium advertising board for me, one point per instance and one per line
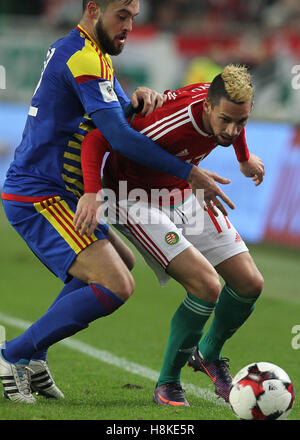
(268, 212)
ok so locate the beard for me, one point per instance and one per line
(222, 142)
(106, 43)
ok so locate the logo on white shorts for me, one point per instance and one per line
(172, 238)
(238, 238)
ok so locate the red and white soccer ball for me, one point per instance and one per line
(261, 391)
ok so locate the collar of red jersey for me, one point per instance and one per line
(195, 123)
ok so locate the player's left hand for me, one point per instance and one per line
(254, 168)
(151, 99)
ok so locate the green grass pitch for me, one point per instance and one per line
(108, 371)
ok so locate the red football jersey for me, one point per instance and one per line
(177, 127)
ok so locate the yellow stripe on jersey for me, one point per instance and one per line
(64, 209)
(74, 144)
(73, 153)
(90, 62)
(76, 193)
(58, 213)
(71, 156)
(73, 181)
(72, 169)
(80, 137)
(86, 127)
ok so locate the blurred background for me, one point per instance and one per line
(174, 43)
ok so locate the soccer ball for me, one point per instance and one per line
(261, 391)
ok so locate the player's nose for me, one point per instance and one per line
(232, 130)
(128, 25)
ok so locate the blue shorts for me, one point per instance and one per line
(47, 228)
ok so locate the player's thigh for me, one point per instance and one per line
(122, 249)
(241, 273)
(47, 228)
(215, 237)
(100, 263)
(153, 234)
(167, 251)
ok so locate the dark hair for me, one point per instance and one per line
(102, 3)
(217, 91)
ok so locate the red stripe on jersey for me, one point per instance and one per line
(71, 229)
(70, 224)
(80, 29)
(84, 78)
(25, 199)
(104, 69)
(62, 225)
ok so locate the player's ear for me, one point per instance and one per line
(93, 9)
(207, 106)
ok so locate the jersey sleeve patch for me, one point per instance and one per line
(107, 91)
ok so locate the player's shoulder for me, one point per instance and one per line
(196, 90)
(86, 59)
(62, 50)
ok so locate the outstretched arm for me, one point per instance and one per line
(134, 145)
(94, 147)
(250, 165)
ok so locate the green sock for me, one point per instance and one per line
(186, 330)
(231, 311)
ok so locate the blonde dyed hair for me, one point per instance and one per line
(237, 83)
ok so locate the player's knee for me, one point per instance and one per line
(208, 289)
(127, 288)
(212, 290)
(254, 284)
(123, 286)
(257, 284)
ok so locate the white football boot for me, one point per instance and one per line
(42, 381)
(16, 381)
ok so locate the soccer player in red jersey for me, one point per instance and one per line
(192, 122)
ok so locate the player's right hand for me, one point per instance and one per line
(86, 217)
(206, 180)
(150, 100)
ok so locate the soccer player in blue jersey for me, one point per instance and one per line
(77, 92)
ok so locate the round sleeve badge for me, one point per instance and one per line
(172, 238)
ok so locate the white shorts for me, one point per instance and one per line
(160, 234)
